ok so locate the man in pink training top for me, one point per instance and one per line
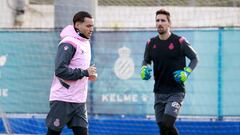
(69, 88)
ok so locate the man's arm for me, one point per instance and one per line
(64, 56)
(181, 76)
(190, 53)
(146, 70)
(147, 57)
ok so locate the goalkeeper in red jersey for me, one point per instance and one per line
(168, 52)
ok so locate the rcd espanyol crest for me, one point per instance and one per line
(124, 65)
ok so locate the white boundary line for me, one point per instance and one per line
(149, 117)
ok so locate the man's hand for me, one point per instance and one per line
(92, 72)
(93, 77)
(181, 76)
(146, 72)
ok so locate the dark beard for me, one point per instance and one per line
(161, 32)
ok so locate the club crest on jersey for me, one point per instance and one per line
(171, 46)
(65, 48)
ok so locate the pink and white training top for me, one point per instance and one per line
(78, 89)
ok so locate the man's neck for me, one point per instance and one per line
(80, 34)
(165, 36)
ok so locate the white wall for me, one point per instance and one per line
(35, 16)
(65, 10)
(5, 15)
(42, 16)
(39, 16)
(181, 16)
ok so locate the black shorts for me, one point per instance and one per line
(167, 104)
(66, 113)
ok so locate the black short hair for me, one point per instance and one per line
(79, 16)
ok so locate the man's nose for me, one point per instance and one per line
(159, 24)
(91, 29)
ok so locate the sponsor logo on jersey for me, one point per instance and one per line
(56, 123)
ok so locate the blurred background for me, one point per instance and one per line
(119, 102)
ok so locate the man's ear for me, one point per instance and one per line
(170, 24)
(77, 25)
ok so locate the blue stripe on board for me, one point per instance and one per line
(127, 127)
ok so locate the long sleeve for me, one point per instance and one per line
(64, 56)
(147, 58)
(191, 54)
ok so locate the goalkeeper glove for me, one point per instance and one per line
(181, 76)
(145, 72)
